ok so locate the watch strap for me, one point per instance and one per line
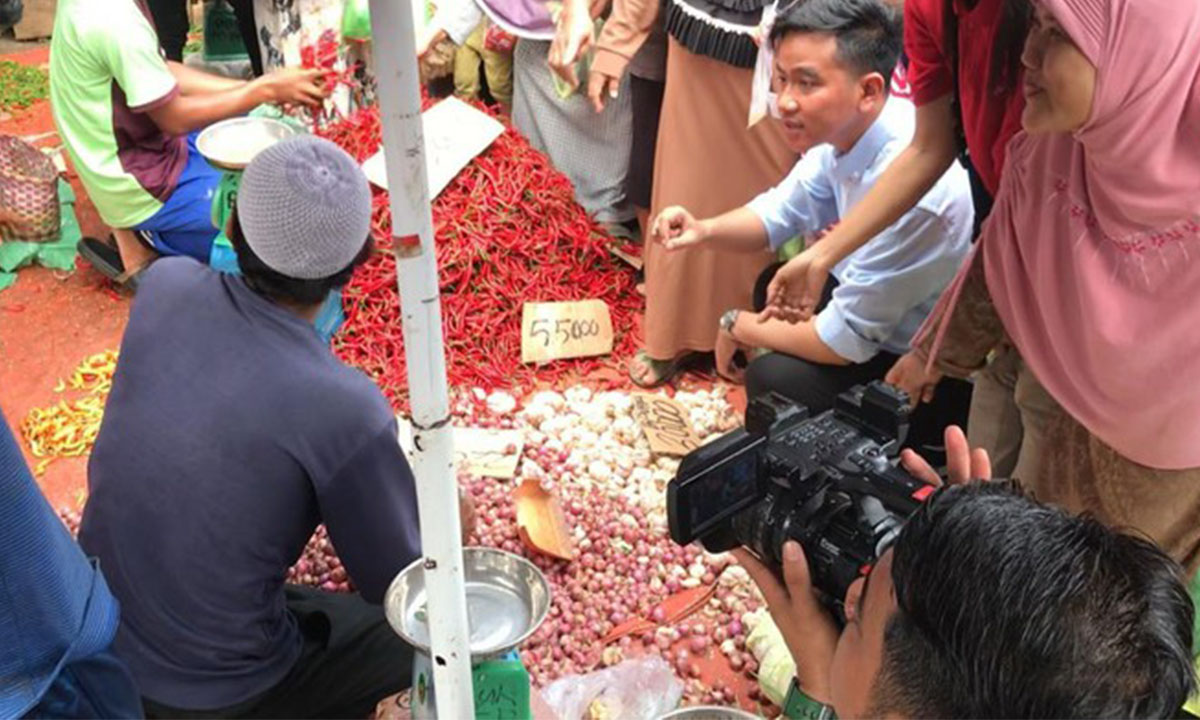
(799, 706)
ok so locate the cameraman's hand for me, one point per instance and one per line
(795, 291)
(962, 463)
(676, 228)
(807, 628)
(295, 86)
(909, 374)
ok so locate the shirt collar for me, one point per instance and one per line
(860, 157)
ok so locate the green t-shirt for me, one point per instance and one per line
(107, 70)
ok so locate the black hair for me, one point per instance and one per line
(1012, 609)
(281, 288)
(1008, 42)
(868, 32)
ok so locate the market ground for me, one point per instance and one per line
(50, 321)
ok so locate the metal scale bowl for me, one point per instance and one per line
(231, 144)
(507, 600)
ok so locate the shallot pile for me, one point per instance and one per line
(588, 449)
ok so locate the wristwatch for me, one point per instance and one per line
(799, 706)
(729, 319)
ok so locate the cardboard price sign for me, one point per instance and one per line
(488, 453)
(557, 330)
(667, 424)
(455, 134)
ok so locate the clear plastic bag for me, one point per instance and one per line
(762, 100)
(640, 689)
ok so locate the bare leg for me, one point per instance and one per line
(134, 254)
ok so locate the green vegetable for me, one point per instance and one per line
(21, 85)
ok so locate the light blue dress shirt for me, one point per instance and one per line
(888, 286)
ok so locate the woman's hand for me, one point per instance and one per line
(910, 375)
(601, 86)
(725, 352)
(575, 34)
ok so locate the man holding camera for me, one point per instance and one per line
(989, 604)
(833, 64)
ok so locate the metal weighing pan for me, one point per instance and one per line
(709, 712)
(507, 599)
(232, 144)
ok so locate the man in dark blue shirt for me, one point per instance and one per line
(230, 433)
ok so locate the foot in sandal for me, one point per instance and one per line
(646, 372)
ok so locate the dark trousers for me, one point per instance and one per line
(351, 660)
(816, 386)
(171, 21)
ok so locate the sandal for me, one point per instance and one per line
(661, 371)
(106, 259)
(623, 231)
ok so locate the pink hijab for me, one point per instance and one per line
(1092, 253)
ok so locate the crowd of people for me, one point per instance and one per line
(997, 203)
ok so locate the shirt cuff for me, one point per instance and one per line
(170, 95)
(609, 62)
(778, 233)
(833, 327)
(925, 92)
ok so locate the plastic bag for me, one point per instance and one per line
(356, 20)
(641, 689)
(776, 668)
(762, 100)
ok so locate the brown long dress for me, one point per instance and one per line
(708, 162)
(1077, 471)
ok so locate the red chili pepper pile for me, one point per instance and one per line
(508, 231)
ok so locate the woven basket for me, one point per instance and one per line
(28, 193)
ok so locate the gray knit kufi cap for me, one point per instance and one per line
(305, 208)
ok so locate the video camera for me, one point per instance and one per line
(826, 481)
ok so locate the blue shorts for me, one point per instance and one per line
(183, 225)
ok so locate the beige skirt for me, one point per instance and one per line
(708, 162)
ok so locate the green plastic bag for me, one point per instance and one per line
(582, 67)
(356, 20)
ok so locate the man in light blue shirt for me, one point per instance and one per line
(833, 60)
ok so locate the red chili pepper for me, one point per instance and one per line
(508, 230)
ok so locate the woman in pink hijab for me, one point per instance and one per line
(1090, 264)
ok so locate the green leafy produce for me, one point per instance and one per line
(21, 85)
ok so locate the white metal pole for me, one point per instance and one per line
(394, 41)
